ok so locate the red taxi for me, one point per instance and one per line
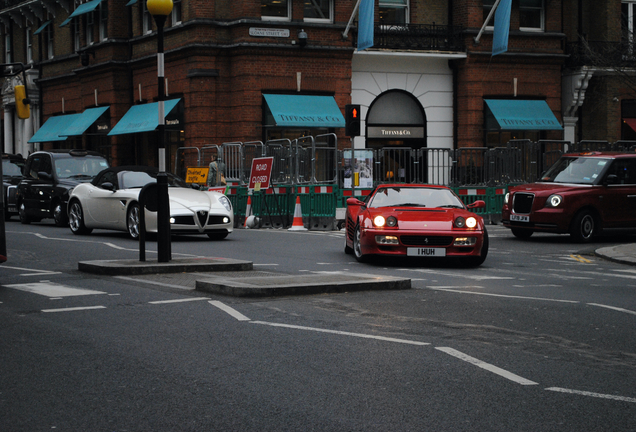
(581, 194)
(415, 220)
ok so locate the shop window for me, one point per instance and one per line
(394, 12)
(318, 10)
(102, 12)
(531, 15)
(276, 10)
(175, 16)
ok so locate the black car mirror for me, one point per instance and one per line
(44, 176)
(610, 179)
(195, 186)
(108, 186)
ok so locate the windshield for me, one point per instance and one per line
(414, 197)
(139, 179)
(577, 170)
(79, 168)
(11, 168)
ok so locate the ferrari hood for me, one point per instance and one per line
(425, 219)
(192, 199)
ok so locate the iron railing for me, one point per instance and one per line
(420, 37)
(601, 54)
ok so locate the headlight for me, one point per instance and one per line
(391, 221)
(506, 198)
(226, 202)
(554, 200)
(461, 222)
(379, 221)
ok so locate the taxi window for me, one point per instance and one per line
(624, 170)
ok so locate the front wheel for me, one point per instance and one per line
(357, 247)
(76, 219)
(477, 261)
(59, 215)
(522, 233)
(132, 221)
(583, 227)
(24, 219)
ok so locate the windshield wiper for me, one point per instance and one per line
(450, 206)
(408, 205)
(81, 176)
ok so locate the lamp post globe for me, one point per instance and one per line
(160, 9)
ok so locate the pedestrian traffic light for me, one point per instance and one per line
(352, 120)
(22, 106)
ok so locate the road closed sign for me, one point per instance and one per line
(260, 173)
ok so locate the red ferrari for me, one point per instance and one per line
(415, 220)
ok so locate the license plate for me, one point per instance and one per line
(519, 218)
(426, 252)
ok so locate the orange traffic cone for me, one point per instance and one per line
(297, 225)
(248, 211)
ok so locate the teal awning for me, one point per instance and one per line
(131, 2)
(142, 118)
(42, 27)
(83, 122)
(85, 8)
(513, 114)
(305, 111)
(51, 129)
(66, 21)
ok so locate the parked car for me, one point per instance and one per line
(12, 166)
(49, 176)
(415, 220)
(581, 194)
(111, 201)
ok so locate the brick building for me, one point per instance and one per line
(234, 69)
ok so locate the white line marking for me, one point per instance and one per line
(598, 395)
(505, 296)
(52, 289)
(450, 287)
(487, 366)
(154, 283)
(179, 300)
(360, 335)
(232, 312)
(74, 309)
(37, 272)
(474, 277)
(613, 308)
(264, 264)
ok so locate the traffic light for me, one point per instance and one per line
(22, 107)
(352, 120)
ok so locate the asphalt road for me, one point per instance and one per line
(539, 338)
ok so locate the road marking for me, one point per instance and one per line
(72, 309)
(36, 272)
(613, 308)
(474, 277)
(231, 311)
(153, 282)
(487, 366)
(264, 264)
(179, 300)
(598, 395)
(505, 296)
(580, 259)
(52, 289)
(360, 335)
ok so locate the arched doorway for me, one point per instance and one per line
(396, 130)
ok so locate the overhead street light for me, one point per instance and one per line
(160, 9)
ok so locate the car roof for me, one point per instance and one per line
(411, 185)
(72, 153)
(137, 168)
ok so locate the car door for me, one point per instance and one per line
(37, 186)
(619, 196)
(102, 204)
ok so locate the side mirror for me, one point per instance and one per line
(610, 179)
(108, 186)
(195, 186)
(477, 204)
(354, 202)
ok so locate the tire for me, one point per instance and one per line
(347, 249)
(477, 261)
(132, 221)
(357, 249)
(217, 236)
(584, 227)
(522, 233)
(59, 215)
(24, 219)
(76, 219)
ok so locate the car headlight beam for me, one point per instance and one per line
(379, 221)
(554, 200)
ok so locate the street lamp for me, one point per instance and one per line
(160, 9)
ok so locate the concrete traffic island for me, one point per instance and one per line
(136, 267)
(300, 285)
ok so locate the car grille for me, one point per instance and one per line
(189, 220)
(203, 217)
(522, 202)
(422, 240)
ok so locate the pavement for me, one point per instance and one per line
(246, 285)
